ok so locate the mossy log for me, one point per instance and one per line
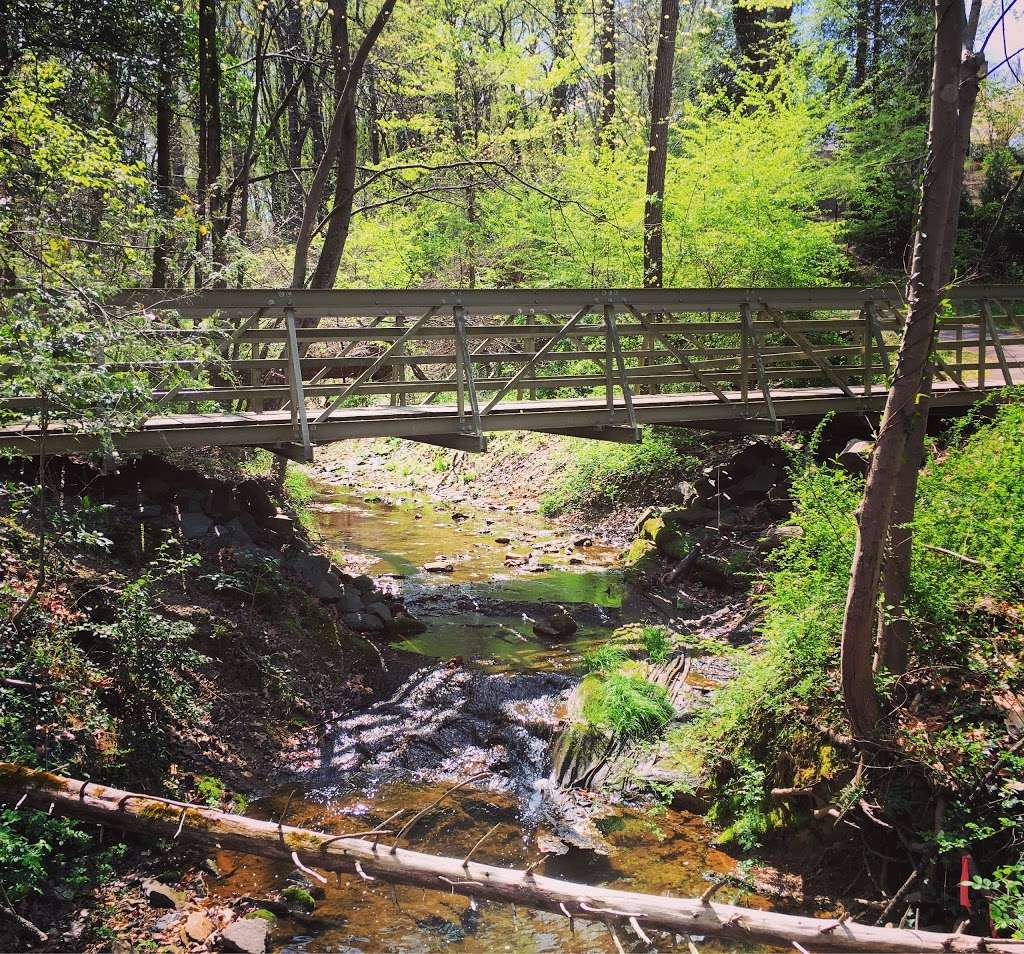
(378, 861)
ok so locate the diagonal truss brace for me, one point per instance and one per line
(532, 361)
(680, 356)
(372, 369)
(997, 344)
(804, 344)
(213, 362)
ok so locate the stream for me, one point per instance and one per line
(500, 572)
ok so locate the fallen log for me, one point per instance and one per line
(377, 860)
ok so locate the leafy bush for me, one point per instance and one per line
(604, 475)
(628, 705)
(1005, 893)
(966, 578)
(36, 848)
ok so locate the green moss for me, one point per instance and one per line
(641, 560)
(298, 898)
(264, 914)
(670, 539)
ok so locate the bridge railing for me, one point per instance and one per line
(311, 355)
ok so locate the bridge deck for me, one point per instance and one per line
(251, 428)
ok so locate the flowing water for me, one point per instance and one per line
(506, 570)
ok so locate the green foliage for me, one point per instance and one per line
(149, 656)
(603, 475)
(971, 503)
(257, 579)
(629, 705)
(1005, 893)
(36, 848)
(210, 790)
(606, 658)
(657, 643)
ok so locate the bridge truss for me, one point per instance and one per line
(289, 369)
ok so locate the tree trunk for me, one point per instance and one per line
(340, 149)
(373, 116)
(606, 37)
(380, 861)
(164, 111)
(657, 153)
(559, 49)
(755, 29)
(210, 200)
(927, 280)
(893, 625)
(860, 42)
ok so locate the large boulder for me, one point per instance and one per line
(555, 625)
(249, 936)
(671, 539)
(309, 569)
(855, 457)
(195, 525)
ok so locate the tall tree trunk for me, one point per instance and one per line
(559, 50)
(755, 30)
(860, 42)
(607, 41)
(927, 280)
(893, 625)
(211, 217)
(373, 115)
(164, 111)
(340, 150)
(657, 153)
(214, 146)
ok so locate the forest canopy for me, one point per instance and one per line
(497, 144)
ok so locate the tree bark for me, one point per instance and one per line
(161, 247)
(860, 44)
(927, 280)
(380, 861)
(340, 149)
(559, 49)
(210, 199)
(606, 38)
(893, 625)
(657, 153)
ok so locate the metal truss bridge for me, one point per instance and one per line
(290, 369)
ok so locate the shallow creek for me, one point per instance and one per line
(506, 570)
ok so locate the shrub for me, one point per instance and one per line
(966, 578)
(657, 643)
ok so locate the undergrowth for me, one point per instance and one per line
(947, 736)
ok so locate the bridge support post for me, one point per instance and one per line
(620, 362)
(399, 375)
(762, 378)
(467, 381)
(300, 423)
